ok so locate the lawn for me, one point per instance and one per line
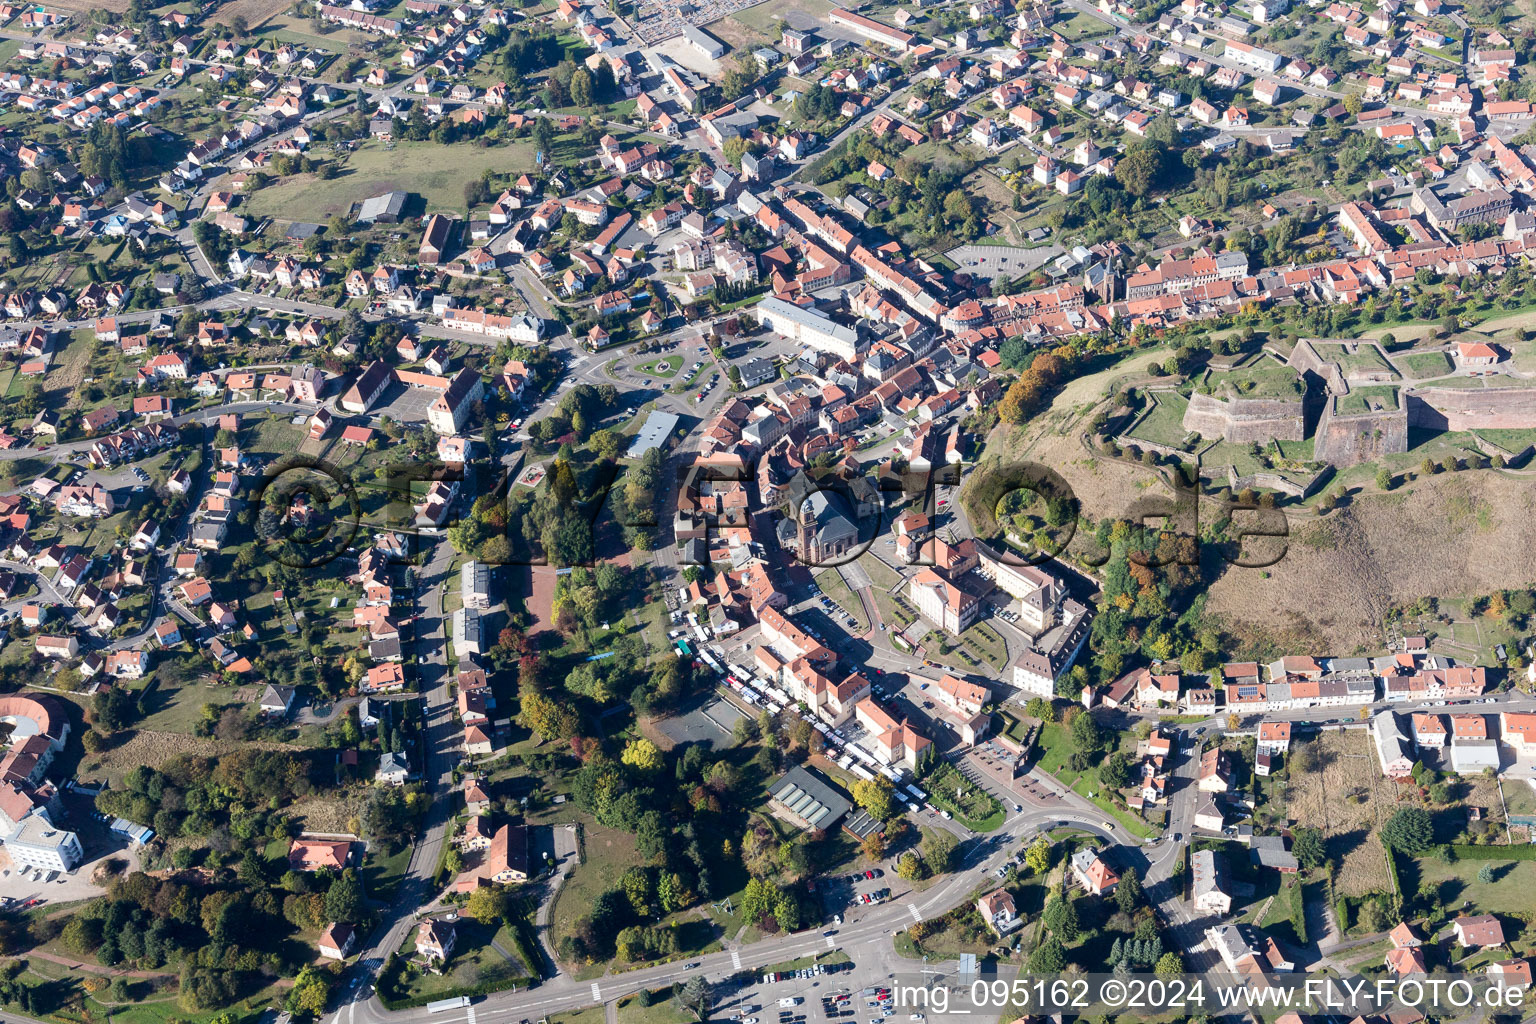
(1520, 800)
(476, 958)
(293, 28)
(1163, 420)
(608, 854)
(1420, 365)
(1458, 888)
(665, 367)
(1364, 399)
(154, 998)
(274, 435)
(832, 585)
(971, 805)
(764, 18)
(173, 708)
(1366, 359)
(1264, 379)
(952, 939)
(1081, 26)
(1055, 754)
(890, 593)
(587, 1015)
(663, 1011)
(382, 873)
(437, 173)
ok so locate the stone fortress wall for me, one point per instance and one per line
(1362, 437)
(1351, 439)
(1471, 408)
(1245, 420)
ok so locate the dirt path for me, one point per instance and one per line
(81, 965)
(540, 588)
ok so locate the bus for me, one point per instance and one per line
(456, 1003)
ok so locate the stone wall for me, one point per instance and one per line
(1472, 409)
(1305, 359)
(1511, 458)
(1299, 489)
(1142, 444)
(1350, 440)
(1245, 420)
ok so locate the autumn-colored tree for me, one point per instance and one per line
(643, 756)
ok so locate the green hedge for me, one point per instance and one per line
(1465, 851)
(527, 948)
(1298, 909)
(387, 986)
(1397, 884)
(484, 988)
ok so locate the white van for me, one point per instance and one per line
(790, 1001)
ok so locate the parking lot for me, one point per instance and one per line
(998, 260)
(404, 403)
(786, 997)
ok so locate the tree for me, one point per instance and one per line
(1169, 964)
(1038, 857)
(1115, 772)
(1128, 892)
(1049, 957)
(1375, 916)
(344, 899)
(910, 867)
(939, 846)
(1485, 874)
(693, 996)
(310, 991)
(876, 796)
(643, 756)
(581, 89)
(113, 709)
(1410, 830)
(1086, 738)
(1384, 479)
(1353, 104)
(1060, 916)
(758, 899)
(1138, 171)
(1308, 848)
(487, 904)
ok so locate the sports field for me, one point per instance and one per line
(437, 173)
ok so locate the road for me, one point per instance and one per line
(441, 736)
(864, 938)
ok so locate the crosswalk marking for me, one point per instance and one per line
(597, 993)
(471, 1015)
(915, 915)
(830, 943)
(736, 959)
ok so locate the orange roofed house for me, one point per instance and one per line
(1090, 871)
(896, 741)
(314, 854)
(1483, 930)
(998, 910)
